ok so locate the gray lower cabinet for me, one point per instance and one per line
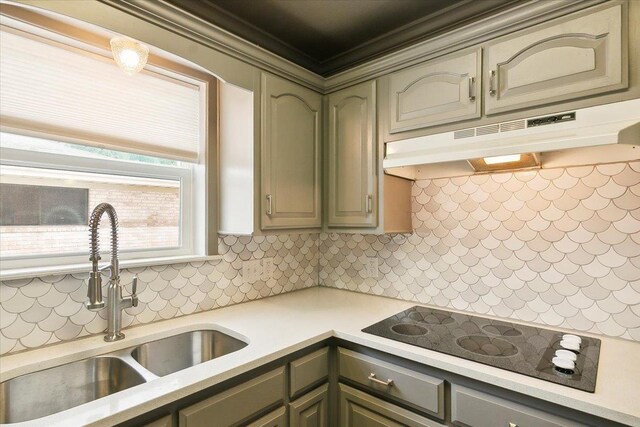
(238, 403)
(308, 371)
(277, 418)
(311, 410)
(290, 145)
(414, 388)
(162, 422)
(583, 54)
(477, 409)
(436, 92)
(359, 409)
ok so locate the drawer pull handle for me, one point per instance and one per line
(513, 425)
(387, 383)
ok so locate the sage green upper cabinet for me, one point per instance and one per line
(435, 92)
(578, 56)
(290, 144)
(351, 157)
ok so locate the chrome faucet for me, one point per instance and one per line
(115, 302)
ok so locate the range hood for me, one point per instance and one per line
(617, 123)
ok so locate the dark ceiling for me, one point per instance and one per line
(327, 36)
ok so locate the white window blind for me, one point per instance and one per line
(48, 89)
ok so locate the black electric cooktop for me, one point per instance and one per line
(523, 349)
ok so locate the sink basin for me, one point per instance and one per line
(52, 390)
(172, 354)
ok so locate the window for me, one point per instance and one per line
(77, 131)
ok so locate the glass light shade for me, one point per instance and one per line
(130, 55)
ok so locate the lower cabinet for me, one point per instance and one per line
(359, 409)
(311, 410)
(277, 418)
(236, 404)
(477, 409)
(342, 387)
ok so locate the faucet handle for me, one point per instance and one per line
(134, 290)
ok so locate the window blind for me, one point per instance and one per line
(74, 96)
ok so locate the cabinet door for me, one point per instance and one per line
(575, 57)
(436, 92)
(352, 172)
(237, 404)
(277, 418)
(311, 410)
(359, 409)
(290, 155)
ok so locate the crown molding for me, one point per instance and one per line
(473, 34)
(178, 21)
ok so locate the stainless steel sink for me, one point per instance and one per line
(172, 354)
(46, 392)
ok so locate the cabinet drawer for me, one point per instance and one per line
(359, 409)
(277, 418)
(162, 422)
(476, 409)
(309, 370)
(238, 403)
(420, 390)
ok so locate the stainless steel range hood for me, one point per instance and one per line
(617, 123)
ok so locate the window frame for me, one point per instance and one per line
(52, 161)
(202, 193)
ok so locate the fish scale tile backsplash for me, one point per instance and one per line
(558, 247)
(35, 312)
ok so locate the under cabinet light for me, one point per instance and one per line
(502, 159)
(506, 162)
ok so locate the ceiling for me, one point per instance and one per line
(327, 36)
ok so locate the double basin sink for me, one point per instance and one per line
(41, 393)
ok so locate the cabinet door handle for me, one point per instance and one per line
(492, 82)
(269, 204)
(369, 203)
(472, 89)
(372, 378)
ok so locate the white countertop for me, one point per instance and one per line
(277, 326)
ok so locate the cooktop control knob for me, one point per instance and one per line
(571, 337)
(562, 363)
(570, 345)
(566, 354)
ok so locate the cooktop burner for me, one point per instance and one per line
(523, 349)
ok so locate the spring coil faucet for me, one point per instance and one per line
(115, 302)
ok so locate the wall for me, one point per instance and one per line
(558, 247)
(50, 309)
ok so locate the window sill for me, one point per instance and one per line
(28, 273)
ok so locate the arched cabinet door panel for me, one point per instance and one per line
(351, 157)
(435, 92)
(290, 144)
(583, 56)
